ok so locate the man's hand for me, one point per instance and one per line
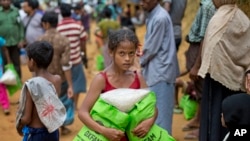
(247, 82)
(85, 61)
(70, 92)
(193, 74)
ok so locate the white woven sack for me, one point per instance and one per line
(8, 78)
(124, 99)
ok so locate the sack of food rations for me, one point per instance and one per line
(106, 115)
(111, 116)
(142, 110)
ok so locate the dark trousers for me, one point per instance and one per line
(40, 134)
(177, 43)
(213, 94)
(14, 53)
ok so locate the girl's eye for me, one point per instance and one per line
(122, 53)
(132, 53)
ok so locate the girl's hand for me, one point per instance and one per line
(70, 92)
(113, 134)
(143, 128)
(247, 83)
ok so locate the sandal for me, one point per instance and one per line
(193, 135)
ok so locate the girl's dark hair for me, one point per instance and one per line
(51, 18)
(65, 9)
(117, 36)
(41, 52)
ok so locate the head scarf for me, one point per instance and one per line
(236, 110)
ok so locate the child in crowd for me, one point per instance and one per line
(236, 115)
(40, 112)
(122, 47)
(106, 25)
(4, 101)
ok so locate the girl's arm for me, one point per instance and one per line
(96, 87)
(142, 81)
(143, 128)
(27, 116)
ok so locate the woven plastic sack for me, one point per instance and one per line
(12, 89)
(145, 109)
(101, 113)
(156, 133)
(86, 134)
(124, 99)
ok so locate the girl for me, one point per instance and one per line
(122, 46)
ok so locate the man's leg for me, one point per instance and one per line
(165, 104)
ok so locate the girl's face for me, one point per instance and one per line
(124, 55)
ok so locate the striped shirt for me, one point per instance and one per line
(75, 33)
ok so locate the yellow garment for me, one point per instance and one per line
(226, 47)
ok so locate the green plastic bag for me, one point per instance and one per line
(182, 101)
(189, 106)
(100, 62)
(106, 115)
(12, 89)
(143, 110)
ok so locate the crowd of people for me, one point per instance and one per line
(56, 40)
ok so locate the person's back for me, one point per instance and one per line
(35, 121)
(107, 23)
(60, 43)
(39, 103)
